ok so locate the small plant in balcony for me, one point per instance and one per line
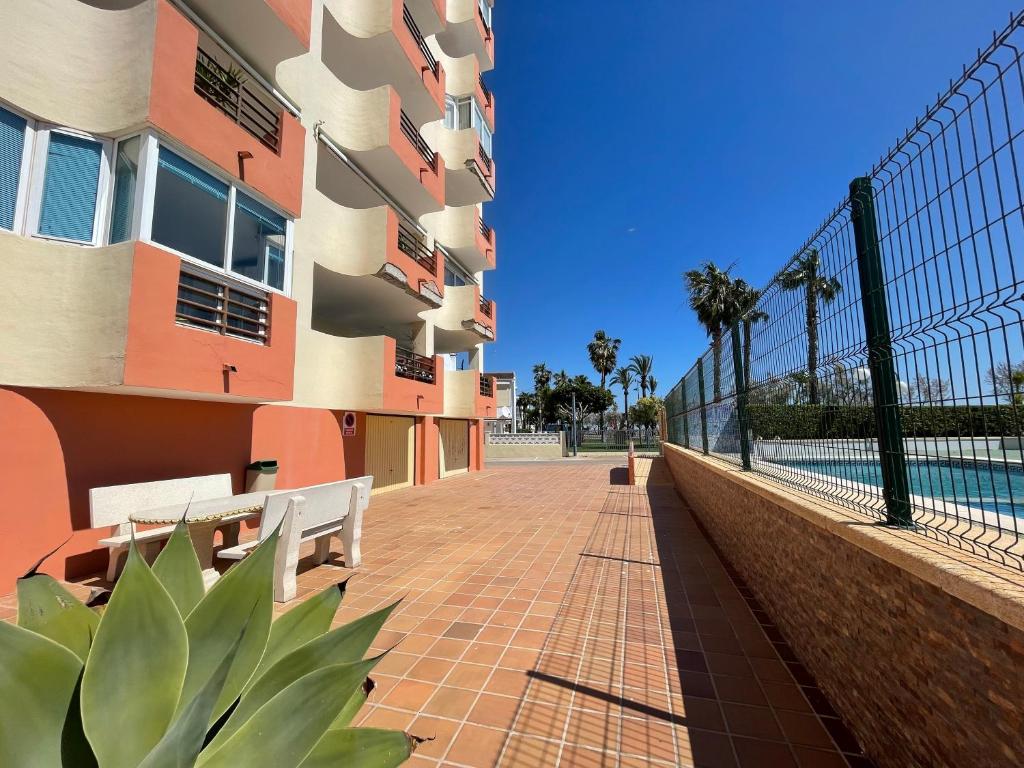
(169, 676)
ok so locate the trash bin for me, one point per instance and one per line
(261, 476)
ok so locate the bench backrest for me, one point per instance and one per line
(113, 504)
(326, 504)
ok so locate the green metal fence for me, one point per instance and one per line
(882, 368)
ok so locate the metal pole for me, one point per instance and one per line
(574, 433)
(703, 406)
(895, 480)
(742, 422)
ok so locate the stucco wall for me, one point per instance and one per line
(920, 646)
(524, 448)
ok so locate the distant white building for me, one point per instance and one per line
(506, 419)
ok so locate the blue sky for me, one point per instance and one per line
(633, 144)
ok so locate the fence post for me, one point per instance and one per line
(886, 397)
(686, 415)
(703, 406)
(741, 397)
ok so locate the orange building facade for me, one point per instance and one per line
(225, 225)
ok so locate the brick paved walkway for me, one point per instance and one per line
(554, 616)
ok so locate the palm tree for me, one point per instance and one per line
(746, 300)
(624, 378)
(604, 354)
(642, 365)
(541, 382)
(561, 378)
(805, 274)
(652, 384)
(713, 299)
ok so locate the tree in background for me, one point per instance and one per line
(805, 275)
(746, 298)
(624, 378)
(1007, 382)
(652, 384)
(933, 391)
(646, 413)
(604, 354)
(541, 389)
(642, 365)
(713, 298)
(529, 414)
(561, 377)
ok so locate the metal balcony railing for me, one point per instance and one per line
(484, 10)
(409, 365)
(486, 386)
(486, 231)
(414, 137)
(226, 89)
(486, 91)
(421, 42)
(486, 307)
(486, 159)
(217, 304)
(410, 242)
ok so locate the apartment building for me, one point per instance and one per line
(234, 230)
(506, 417)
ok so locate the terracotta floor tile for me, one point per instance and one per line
(409, 694)
(453, 703)
(477, 746)
(805, 729)
(430, 670)
(755, 753)
(469, 676)
(440, 733)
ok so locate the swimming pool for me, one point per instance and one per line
(993, 487)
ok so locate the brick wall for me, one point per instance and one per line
(918, 644)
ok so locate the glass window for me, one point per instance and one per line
(68, 205)
(12, 144)
(453, 278)
(190, 210)
(126, 172)
(258, 242)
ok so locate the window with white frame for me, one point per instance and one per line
(64, 196)
(486, 13)
(463, 112)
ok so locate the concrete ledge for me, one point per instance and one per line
(919, 644)
(548, 445)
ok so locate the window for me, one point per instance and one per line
(190, 209)
(486, 13)
(258, 243)
(126, 173)
(204, 218)
(67, 207)
(454, 275)
(462, 112)
(12, 149)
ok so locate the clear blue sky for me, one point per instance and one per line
(636, 139)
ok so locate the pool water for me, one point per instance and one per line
(992, 487)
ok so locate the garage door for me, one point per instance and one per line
(454, 447)
(390, 451)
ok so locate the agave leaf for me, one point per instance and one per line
(298, 626)
(46, 608)
(354, 704)
(342, 645)
(181, 745)
(285, 729)
(241, 602)
(365, 747)
(178, 569)
(38, 677)
(134, 673)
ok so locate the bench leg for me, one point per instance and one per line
(322, 553)
(116, 563)
(286, 558)
(231, 533)
(351, 538)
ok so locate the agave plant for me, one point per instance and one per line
(167, 675)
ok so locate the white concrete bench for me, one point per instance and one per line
(113, 504)
(316, 513)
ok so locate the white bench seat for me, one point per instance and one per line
(316, 513)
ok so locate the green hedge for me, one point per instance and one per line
(843, 422)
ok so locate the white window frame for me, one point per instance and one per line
(24, 171)
(149, 155)
(133, 230)
(41, 146)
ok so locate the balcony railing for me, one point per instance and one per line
(225, 88)
(484, 9)
(486, 159)
(486, 231)
(486, 307)
(418, 143)
(486, 91)
(486, 386)
(410, 24)
(215, 304)
(409, 365)
(410, 242)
